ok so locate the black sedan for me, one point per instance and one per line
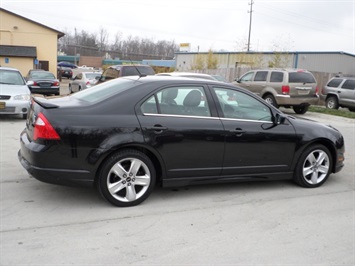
(43, 82)
(128, 134)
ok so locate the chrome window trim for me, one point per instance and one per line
(208, 117)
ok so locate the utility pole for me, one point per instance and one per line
(251, 14)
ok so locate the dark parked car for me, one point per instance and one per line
(42, 82)
(130, 133)
(66, 64)
(65, 72)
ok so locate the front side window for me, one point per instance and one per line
(184, 101)
(260, 76)
(238, 105)
(247, 77)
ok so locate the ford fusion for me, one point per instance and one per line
(129, 134)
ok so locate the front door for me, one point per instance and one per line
(254, 144)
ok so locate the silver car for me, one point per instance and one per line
(339, 92)
(83, 80)
(14, 93)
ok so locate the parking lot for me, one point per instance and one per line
(264, 223)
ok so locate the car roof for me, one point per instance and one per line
(9, 68)
(173, 79)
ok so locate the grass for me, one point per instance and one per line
(340, 112)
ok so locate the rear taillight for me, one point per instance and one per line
(88, 83)
(285, 90)
(35, 83)
(317, 90)
(43, 129)
(56, 83)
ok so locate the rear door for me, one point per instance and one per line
(178, 122)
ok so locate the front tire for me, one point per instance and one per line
(127, 178)
(313, 167)
(332, 103)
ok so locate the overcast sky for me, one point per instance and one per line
(302, 25)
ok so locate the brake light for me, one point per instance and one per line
(56, 83)
(317, 90)
(35, 83)
(88, 83)
(43, 129)
(285, 90)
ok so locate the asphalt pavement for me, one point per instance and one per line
(259, 223)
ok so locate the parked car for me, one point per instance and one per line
(83, 80)
(65, 72)
(66, 64)
(43, 82)
(294, 88)
(117, 71)
(14, 93)
(339, 92)
(130, 133)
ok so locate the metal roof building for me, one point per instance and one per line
(329, 62)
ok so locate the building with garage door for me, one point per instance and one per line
(26, 44)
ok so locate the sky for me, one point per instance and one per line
(219, 25)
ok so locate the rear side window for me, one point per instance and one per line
(301, 77)
(334, 83)
(276, 76)
(349, 84)
(260, 76)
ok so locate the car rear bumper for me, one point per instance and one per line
(287, 100)
(52, 90)
(30, 153)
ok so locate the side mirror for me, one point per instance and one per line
(279, 119)
(29, 83)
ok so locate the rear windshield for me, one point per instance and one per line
(301, 77)
(133, 70)
(105, 90)
(42, 75)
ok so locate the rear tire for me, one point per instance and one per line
(271, 100)
(126, 178)
(300, 109)
(314, 167)
(332, 103)
(70, 89)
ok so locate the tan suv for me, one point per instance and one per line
(117, 71)
(294, 88)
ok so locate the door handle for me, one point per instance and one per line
(158, 129)
(238, 132)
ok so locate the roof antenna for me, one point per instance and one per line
(140, 74)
